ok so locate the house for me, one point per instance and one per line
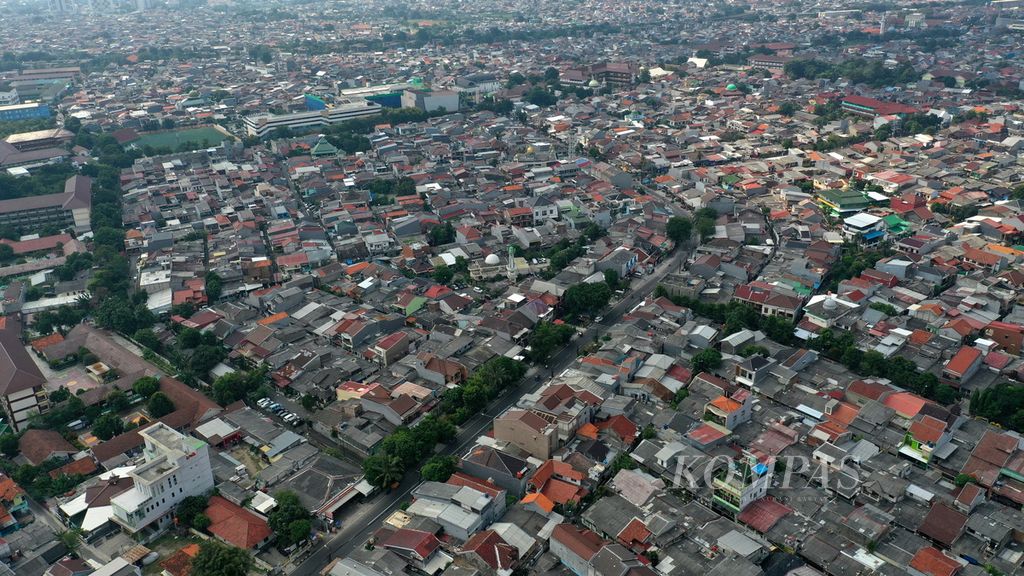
(489, 549)
(753, 371)
(180, 563)
(22, 392)
(534, 431)
(929, 561)
(38, 446)
(13, 503)
(729, 411)
(962, 366)
(416, 546)
(943, 524)
(558, 482)
(1009, 337)
(504, 470)
(925, 437)
(236, 526)
(575, 547)
(391, 348)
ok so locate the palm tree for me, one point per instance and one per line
(383, 470)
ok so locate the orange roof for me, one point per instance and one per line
(588, 430)
(960, 363)
(542, 501)
(927, 429)
(844, 413)
(905, 404)
(40, 343)
(934, 563)
(726, 404)
(563, 492)
(272, 318)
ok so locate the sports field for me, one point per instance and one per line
(174, 138)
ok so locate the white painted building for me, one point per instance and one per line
(176, 467)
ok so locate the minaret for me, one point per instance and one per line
(510, 267)
(881, 25)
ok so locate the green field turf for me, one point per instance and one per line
(174, 138)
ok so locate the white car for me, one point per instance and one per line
(264, 402)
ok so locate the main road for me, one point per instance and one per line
(364, 518)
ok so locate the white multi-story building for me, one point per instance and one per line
(864, 229)
(176, 467)
(262, 125)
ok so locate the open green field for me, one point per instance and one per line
(174, 138)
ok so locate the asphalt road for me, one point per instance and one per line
(363, 518)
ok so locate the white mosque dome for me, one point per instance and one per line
(492, 259)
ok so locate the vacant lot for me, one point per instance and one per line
(174, 138)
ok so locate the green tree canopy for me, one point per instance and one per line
(438, 468)
(159, 405)
(218, 559)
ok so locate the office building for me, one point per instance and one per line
(69, 209)
(176, 467)
(262, 125)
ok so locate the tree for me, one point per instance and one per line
(6, 253)
(159, 405)
(214, 286)
(107, 426)
(289, 520)
(217, 559)
(71, 539)
(189, 338)
(551, 74)
(443, 274)
(146, 386)
(201, 522)
(611, 278)
(582, 299)
(546, 338)
(679, 229)
(706, 360)
(962, 480)
(382, 470)
(190, 508)
(308, 402)
(441, 234)
(9, 445)
(147, 338)
(649, 432)
(117, 400)
(788, 108)
(438, 468)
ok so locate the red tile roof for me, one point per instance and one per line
(492, 549)
(927, 429)
(581, 542)
(236, 525)
(960, 363)
(934, 563)
(421, 543)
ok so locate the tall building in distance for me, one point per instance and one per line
(176, 467)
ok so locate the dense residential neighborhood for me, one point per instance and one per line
(575, 289)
